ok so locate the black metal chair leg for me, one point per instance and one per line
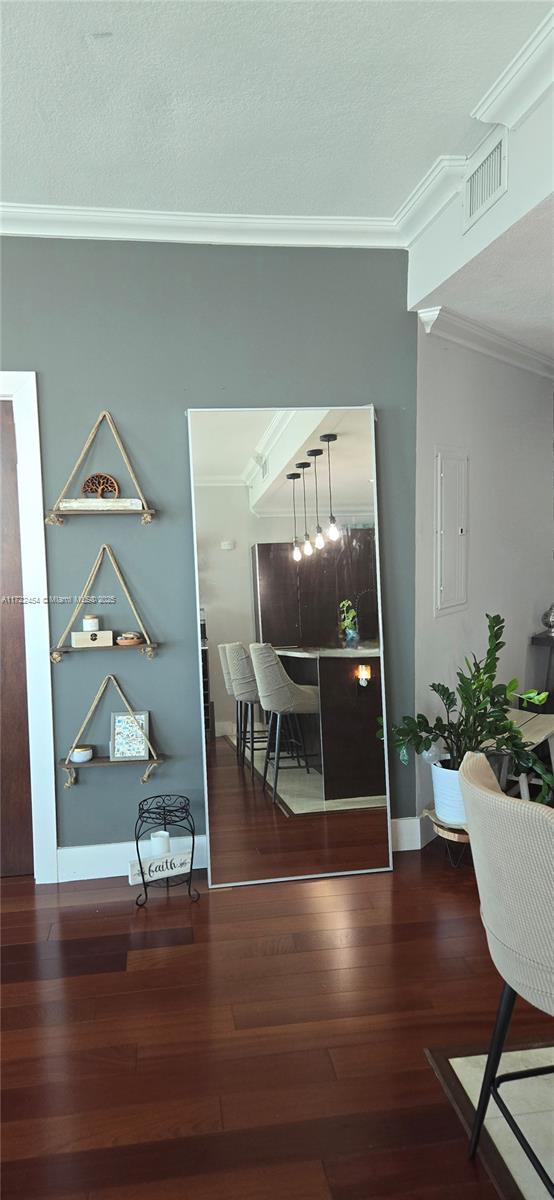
(277, 755)
(244, 731)
(289, 741)
(503, 1016)
(237, 727)
(268, 747)
(251, 707)
(302, 742)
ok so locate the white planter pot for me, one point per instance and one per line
(449, 804)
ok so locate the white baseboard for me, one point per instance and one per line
(225, 728)
(411, 833)
(113, 858)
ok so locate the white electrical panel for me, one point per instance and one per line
(451, 529)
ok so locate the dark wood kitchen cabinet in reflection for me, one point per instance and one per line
(275, 584)
(353, 757)
(349, 754)
(296, 604)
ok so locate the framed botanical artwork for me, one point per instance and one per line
(128, 736)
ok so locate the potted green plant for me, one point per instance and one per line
(475, 718)
(348, 624)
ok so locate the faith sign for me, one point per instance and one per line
(159, 868)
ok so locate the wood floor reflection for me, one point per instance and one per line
(251, 839)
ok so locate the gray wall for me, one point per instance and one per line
(147, 331)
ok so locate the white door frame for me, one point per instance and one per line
(21, 388)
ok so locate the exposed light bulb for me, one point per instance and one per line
(308, 548)
(333, 532)
(296, 554)
(319, 538)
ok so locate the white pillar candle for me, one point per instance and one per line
(90, 623)
(159, 840)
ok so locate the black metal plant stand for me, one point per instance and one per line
(164, 812)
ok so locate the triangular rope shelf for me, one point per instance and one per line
(87, 505)
(72, 768)
(148, 648)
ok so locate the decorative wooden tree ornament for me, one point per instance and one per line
(100, 492)
(148, 647)
(72, 768)
(100, 485)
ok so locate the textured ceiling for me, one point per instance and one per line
(301, 109)
(509, 287)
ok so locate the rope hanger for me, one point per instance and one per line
(56, 654)
(70, 768)
(54, 517)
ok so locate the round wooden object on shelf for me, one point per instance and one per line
(100, 485)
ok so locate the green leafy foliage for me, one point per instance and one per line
(476, 717)
(347, 616)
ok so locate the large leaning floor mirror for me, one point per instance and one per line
(291, 644)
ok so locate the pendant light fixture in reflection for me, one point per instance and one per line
(333, 532)
(296, 553)
(307, 547)
(319, 538)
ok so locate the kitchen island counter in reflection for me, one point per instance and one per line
(352, 756)
(368, 650)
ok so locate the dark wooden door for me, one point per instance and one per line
(16, 836)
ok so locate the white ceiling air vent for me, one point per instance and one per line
(487, 178)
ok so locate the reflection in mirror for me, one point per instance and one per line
(292, 668)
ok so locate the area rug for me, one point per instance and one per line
(532, 1102)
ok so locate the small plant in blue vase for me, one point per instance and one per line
(348, 624)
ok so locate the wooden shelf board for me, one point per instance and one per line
(103, 761)
(95, 649)
(102, 512)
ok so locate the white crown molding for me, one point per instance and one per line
(436, 189)
(268, 440)
(523, 82)
(219, 481)
(343, 515)
(473, 336)
(428, 198)
(428, 316)
(118, 224)
(507, 102)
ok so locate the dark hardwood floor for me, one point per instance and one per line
(251, 838)
(265, 1043)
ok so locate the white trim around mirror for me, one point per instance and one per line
(369, 408)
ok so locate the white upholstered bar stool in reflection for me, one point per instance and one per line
(281, 697)
(245, 688)
(222, 648)
(512, 843)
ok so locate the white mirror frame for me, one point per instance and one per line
(369, 408)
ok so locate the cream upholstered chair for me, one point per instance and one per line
(282, 698)
(245, 690)
(222, 648)
(512, 843)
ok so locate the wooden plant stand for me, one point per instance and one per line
(452, 835)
